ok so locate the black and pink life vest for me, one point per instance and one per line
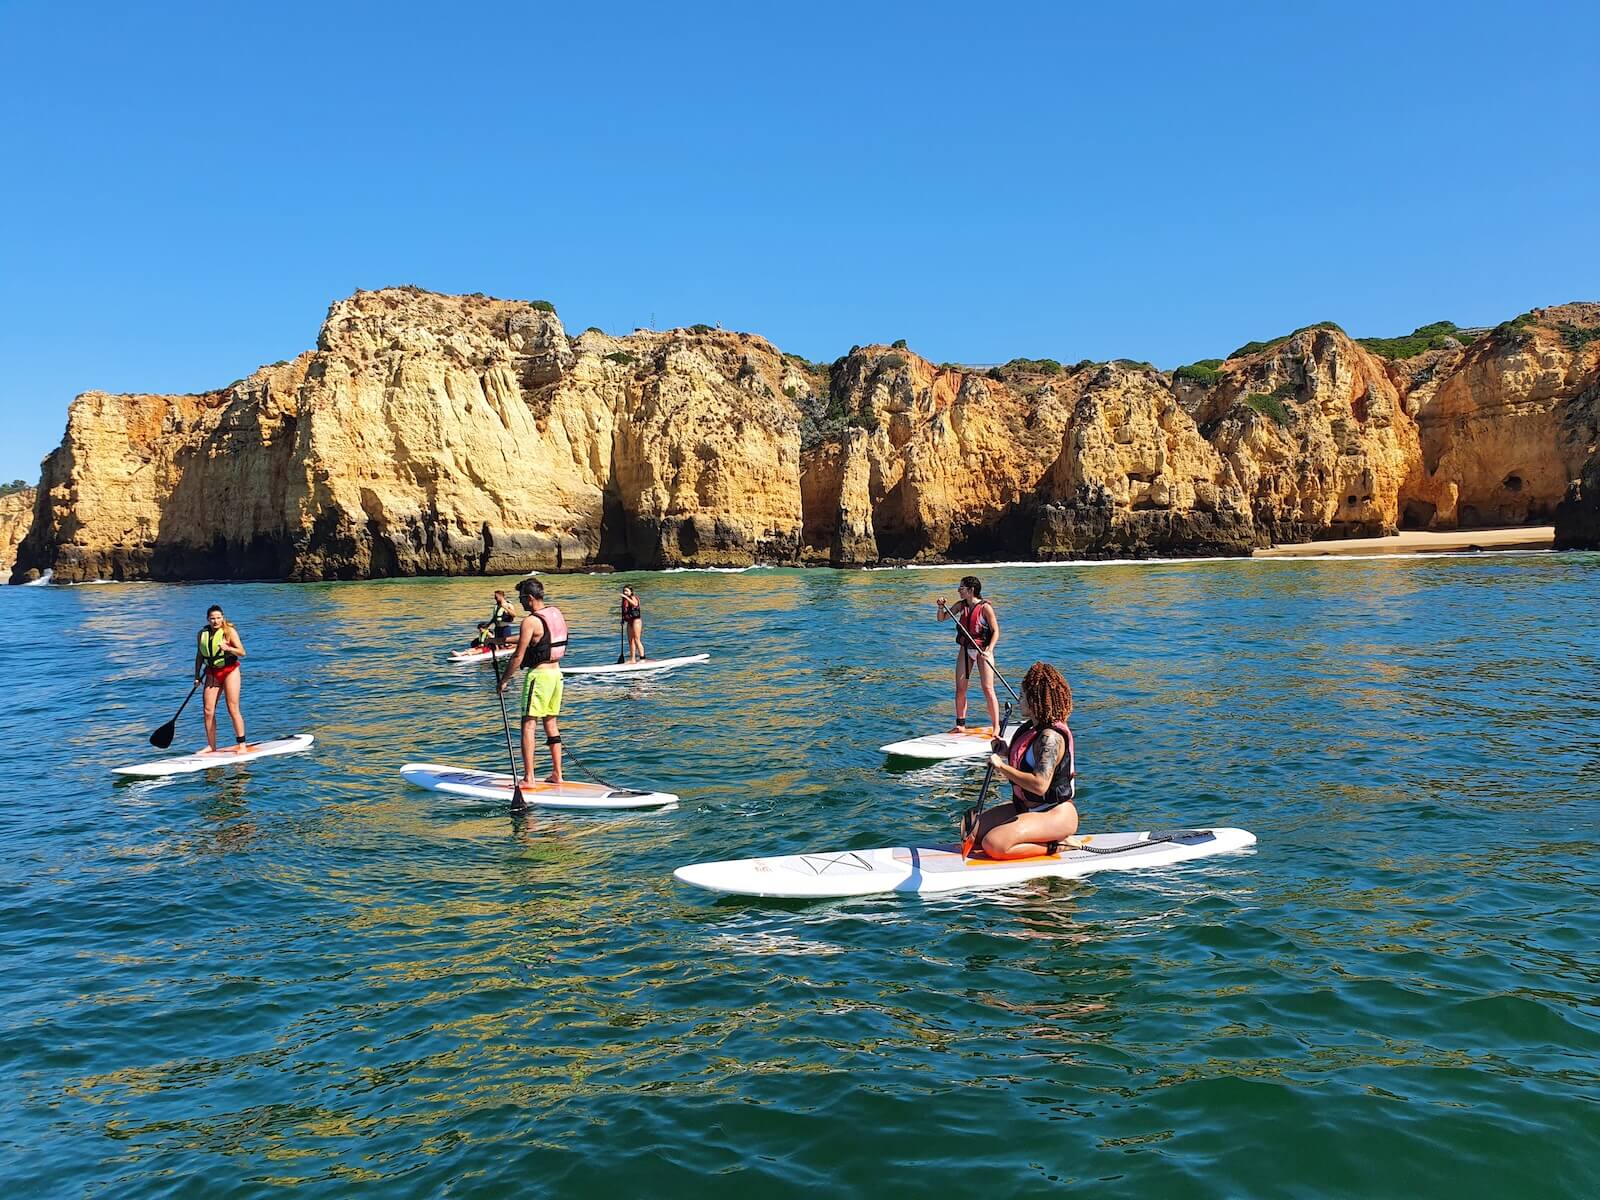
(552, 643)
(1062, 787)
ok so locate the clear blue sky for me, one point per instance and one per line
(189, 186)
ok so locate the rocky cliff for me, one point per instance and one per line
(16, 515)
(462, 434)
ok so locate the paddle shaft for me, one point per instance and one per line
(962, 630)
(162, 737)
(505, 724)
(983, 792)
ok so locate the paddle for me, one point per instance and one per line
(622, 633)
(517, 802)
(970, 835)
(162, 738)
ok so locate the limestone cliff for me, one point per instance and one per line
(463, 434)
(16, 515)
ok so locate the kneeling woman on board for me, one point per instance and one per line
(1040, 766)
(216, 663)
(541, 643)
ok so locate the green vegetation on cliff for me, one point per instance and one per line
(1436, 336)
(16, 485)
(1202, 372)
(1257, 347)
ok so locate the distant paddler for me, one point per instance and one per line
(216, 664)
(541, 644)
(977, 634)
(1042, 769)
(503, 620)
(632, 626)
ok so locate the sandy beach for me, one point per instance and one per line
(1423, 541)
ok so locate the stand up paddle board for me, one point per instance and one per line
(943, 745)
(482, 654)
(942, 869)
(225, 757)
(495, 786)
(637, 668)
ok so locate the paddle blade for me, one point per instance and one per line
(162, 738)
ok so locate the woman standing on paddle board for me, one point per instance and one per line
(633, 624)
(216, 663)
(977, 634)
(541, 643)
(1041, 768)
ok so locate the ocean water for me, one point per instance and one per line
(303, 977)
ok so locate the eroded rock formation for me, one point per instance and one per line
(16, 515)
(462, 434)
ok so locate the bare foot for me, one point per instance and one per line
(958, 729)
(207, 750)
(243, 748)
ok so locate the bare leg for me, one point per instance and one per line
(1028, 836)
(209, 698)
(530, 740)
(986, 681)
(230, 690)
(962, 672)
(553, 730)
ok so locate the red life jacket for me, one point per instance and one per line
(1061, 787)
(981, 632)
(552, 643)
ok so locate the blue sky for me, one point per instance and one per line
(189, 186)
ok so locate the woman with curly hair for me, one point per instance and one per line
(1040, 766)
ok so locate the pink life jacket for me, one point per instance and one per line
(977, 627)
(552, 643)
(1061, 787)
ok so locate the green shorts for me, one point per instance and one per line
(541, 693)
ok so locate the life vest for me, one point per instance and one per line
(1061, 787)
(630, 609)
(211, 652)
(976, 625)
(552, 643)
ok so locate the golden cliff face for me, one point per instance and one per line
(16, 515)
(462, 434)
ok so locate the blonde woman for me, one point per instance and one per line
(216, 663)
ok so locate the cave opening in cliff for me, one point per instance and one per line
(1417, 514)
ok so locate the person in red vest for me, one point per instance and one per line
(977, 634)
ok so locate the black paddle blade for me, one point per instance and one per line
(162, 738)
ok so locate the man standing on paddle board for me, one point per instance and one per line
(977, 634)
(633, 625)
(504, 618)
(1040, 766)
(216, 663)
(541, 643)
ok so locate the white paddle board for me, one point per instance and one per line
(943, 745)
(495, 786)
(637, 668)
(482, 654)
(942, 869)
(225, 757)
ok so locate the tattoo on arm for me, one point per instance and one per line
(1048, 755)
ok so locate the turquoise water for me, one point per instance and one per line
(303, 974)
